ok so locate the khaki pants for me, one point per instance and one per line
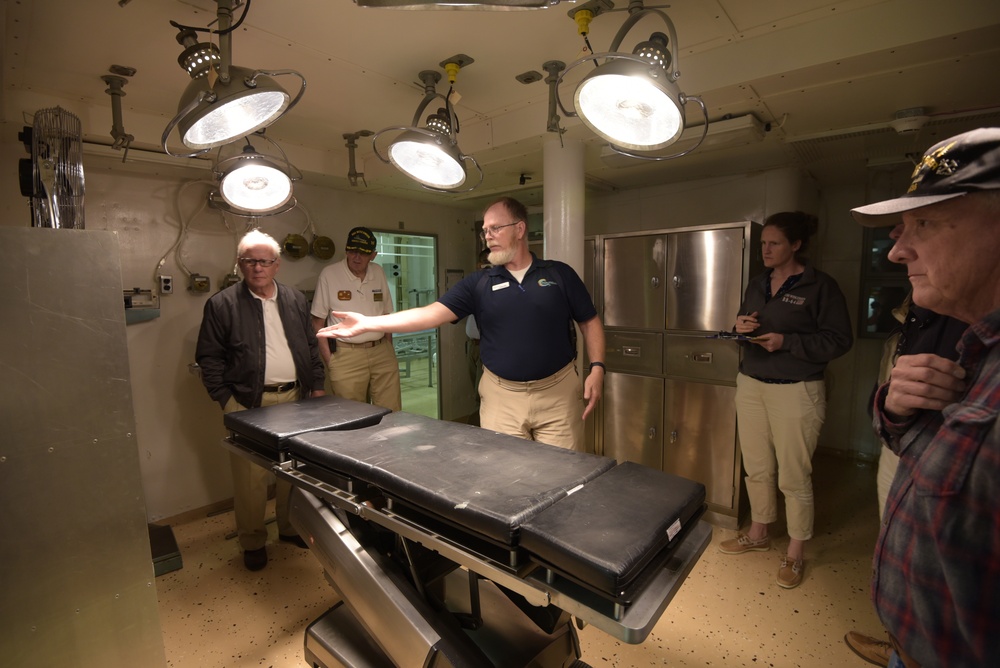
(367, 375)
(250, 483)
(549, 410)
(779, 427)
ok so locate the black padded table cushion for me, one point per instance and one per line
(268, 428)
(606, 533)
(480, 480)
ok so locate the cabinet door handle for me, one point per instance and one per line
(652, 433)
(654, 282)
(704, 358)
(631, 351)
(673, 436)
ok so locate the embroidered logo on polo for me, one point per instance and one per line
(795, 300)
(544, 283)
(344, 295)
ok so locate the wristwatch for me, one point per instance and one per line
(600, 364)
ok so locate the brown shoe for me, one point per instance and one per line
(790, 572)
(870, 649)
(744, 543)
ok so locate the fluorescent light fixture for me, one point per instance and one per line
(726, 133)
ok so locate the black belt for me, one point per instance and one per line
(775, 381)
(284, 387)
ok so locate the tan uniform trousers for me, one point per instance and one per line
(250, 483)
(549, 410)
(366, 374)
(779, 426)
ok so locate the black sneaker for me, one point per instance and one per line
(255, 560)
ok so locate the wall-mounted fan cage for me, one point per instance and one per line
(57, 185)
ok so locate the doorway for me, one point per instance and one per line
(410, 265)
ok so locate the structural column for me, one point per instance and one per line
(563, 201)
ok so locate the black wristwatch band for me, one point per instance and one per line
(600, 364)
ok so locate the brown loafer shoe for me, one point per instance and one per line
(743, 543)
(790, 572)
(870, 649)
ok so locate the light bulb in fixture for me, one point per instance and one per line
(252, 183)
(428, 156)
(632, 101)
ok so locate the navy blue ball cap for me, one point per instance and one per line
(360, 239)
(969, 162)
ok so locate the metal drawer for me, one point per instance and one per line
(710, 360)
(641, 352)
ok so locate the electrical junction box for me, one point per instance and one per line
(166, 284)
(228, 280)
(140, 305)
(200, 283)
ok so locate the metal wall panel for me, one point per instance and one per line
(75, 566)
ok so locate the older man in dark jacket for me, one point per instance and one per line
(256, 348)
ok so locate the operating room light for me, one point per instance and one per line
(224, 102)
(428, 159)
(430, 155)
(252, 183)
(256, 186)
(632, 99)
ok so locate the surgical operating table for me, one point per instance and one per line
(451, 545)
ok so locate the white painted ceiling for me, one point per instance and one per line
(826, 78)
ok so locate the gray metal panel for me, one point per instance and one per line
(704, 274)
(633, 407)
(634, 351)
(633, 281)
(710, 360)
(699, 432)
(76, 571)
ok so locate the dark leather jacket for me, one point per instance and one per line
(231, 350)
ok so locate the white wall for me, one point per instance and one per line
(179, 427)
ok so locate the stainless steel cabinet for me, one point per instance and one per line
(704, 272)
(633, 419)
(668, 394)
(634, 274)
(699, 433)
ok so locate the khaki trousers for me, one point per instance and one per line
(779, 426)
(367, 375)
(549, 410)
(250, 483)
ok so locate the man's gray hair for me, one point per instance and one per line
(258, 238)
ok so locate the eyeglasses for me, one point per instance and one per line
(492, 231)
(249, 262)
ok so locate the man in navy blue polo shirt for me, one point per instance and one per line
(523, 307)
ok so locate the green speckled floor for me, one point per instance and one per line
(728, 613)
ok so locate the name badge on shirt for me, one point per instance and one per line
(344, 295)
(377, 295)
(501, 286)
(795, 300)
